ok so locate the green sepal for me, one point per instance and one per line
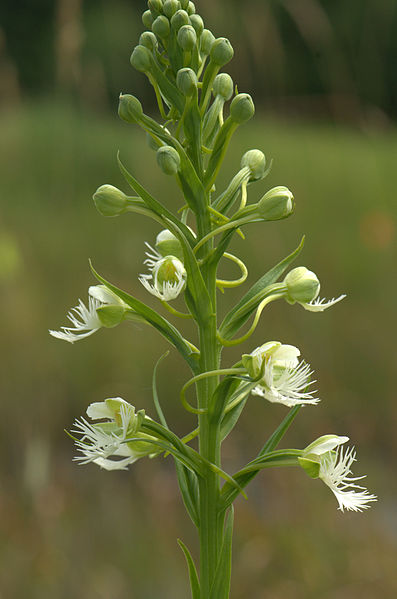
(154, 204)
(110, 316)
(220, 588)
(188, 485)
(235, 319)
(194, 581)
(219, 150)
(310, 466)
(158, 322)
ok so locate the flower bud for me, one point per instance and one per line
(242, 108)
(302, 285)
(221, 51)
(141, 59)
(191, 9)
(147, 19)
(179, 19)
(170, 7)
(155, 6)
(149, 40)
(130, 108)
(223, 86)
(187, 38)
(161, 27)
(110, 201)
(168, 245)
(169, 271)
(197, 24)
(186, 80)
(207, 40)
(276, 204)
(255, 160)
(184, 4)
(168, 160)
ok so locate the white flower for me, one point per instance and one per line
(106, 443)
(285, 380)
(319, 305)
(336, 473)
(85, 320)
(167, 278)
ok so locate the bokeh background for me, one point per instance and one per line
(325, 84)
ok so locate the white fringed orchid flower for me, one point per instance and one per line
(325, 459)
(106, 443)
(87, 320)
(166, 280)
(285, 379)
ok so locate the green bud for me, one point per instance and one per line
(170, 7)
(168, 245)
(184, 4)
(130, 108)
(141, 59)
(197, 24)
(221, 51)
(186, 80)
(110, 201)
(255, 160)
(191, 9)
(110, 316)
(147, 19)
(187, 38)
(276, 204)
(149, 40)
(161, 27)
(179, 19)
(207, 40)
(155, 6)
(168, 160)
(302, 285)
(242, 108)
(223, 86)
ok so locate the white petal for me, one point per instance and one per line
(99, 409)
(319, 305)
(114, 464)
(325, 443)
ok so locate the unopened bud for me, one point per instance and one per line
(168, 160)
(197, 23)
(186, 80)
(161, 27)
(242, 108)
(255, 160)
(276, 204)
(223, 86)
(130, 108)
(184, 4)
(149, 40)
(191, 9)
(168, 245)
(179, 19)
(147, 19)
(302, 285)
(170, 7)
(110, 201)
(187, 38)
(141, 59)
(155, 6)
(221, 51)
(207, 40)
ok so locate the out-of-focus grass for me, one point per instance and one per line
(80, 532)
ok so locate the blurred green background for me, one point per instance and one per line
(324, 79)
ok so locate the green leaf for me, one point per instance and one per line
(221, 586)
(158, 322)
(156, 400)
(154, 204)
(235, 319)
(188, 485)
(220, 146)
(280, 431)
(192, 129)
(194, 581)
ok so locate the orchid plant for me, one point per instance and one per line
(182, 61)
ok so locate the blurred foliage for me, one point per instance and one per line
(313, 56)
(69, 531)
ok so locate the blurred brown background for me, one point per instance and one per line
(324, 81)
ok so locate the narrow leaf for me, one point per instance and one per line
(194, 581)
(156, 400)
(188, 485)
(280, 431)
(221, 586)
